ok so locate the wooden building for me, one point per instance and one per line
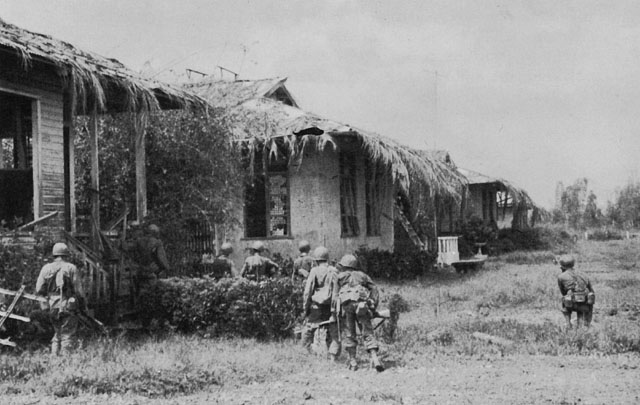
(44, 84)
(314, 178)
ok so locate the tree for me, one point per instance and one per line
(592, 216)
(193, 172)
(625, 210)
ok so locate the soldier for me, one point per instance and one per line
(303, 263)
(149, 257)
(256, 267)
(577, 293)
(358, 299)
(320, 302)
(60, 283)
(222, 265)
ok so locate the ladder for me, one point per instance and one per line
(413, 235)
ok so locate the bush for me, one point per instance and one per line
(538, 238)
(604, 235)
(228, 307)
(383, 264)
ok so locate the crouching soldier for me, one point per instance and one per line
(577, 293)
(222, 266)
(257, 267)
(60, 283)
(149, 259)
(320, 302)
(303, 263)
(359, 300)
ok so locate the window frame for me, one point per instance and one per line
(344, 157)
(266, 173)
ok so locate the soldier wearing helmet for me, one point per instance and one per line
(149, 258)
(577, 293)
(359, 299)
(303, 263)
(320, 301)
(222, 265)
(60, 283)
(257, 267)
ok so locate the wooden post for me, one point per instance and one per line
(95, 179)
(36, 159)
(141, 170)
(69, 158)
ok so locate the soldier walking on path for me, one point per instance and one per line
(320, 301)
(577, 293)
(303, 263)
(257, 267)
(60, 283)
(359, 299)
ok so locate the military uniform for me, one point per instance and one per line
(258, 268)
(60, 282)
(575, 288)
(319, 305)
(150, 259)
(359, 299)
(221, 267)
(302, 266)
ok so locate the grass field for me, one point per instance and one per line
(434, 357)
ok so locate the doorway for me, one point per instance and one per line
(16, 160)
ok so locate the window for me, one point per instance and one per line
(267, 200)
(374, 181)
(348, 195)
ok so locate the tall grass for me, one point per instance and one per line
(518, 303)
(153, 367)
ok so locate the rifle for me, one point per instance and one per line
(384, 314)
(338, 305)
(91, 323)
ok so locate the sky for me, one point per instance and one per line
(535, 92)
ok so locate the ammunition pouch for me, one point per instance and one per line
(579, 297)
(591, 298)
(567, 300)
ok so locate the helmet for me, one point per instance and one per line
(567, 261)
(321, 254)
(154, 229)
(60, 249)
(226, 248)
(257, 246)
(349, 261)
(304, 246)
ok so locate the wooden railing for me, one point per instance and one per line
(406, 224)
(38, 221)
(447, 250)
(97, 278)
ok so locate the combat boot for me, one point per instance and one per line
(353, 363)
(375, 361)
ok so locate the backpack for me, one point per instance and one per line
(322, 296)
(581, 291)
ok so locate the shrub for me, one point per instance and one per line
(603, 235)
(395, 265)
(538, 238)
(475, 231)
(228, 307)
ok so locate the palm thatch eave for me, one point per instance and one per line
(92, 80)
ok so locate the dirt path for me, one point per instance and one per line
(442, 380)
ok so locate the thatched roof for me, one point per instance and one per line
(232, 93)
(269, 123)
(519, 195)
(95, 80)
